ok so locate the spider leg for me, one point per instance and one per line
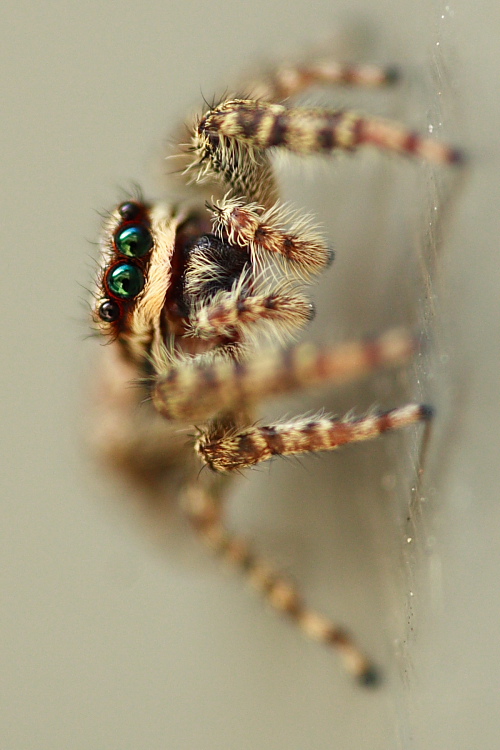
(230, 314)
(245, 171)
(196, 390)
(238, 449)
(257, 125)
(127, 435)
(252, 226)
(290, 80)
(205, 513)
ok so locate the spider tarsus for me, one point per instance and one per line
(312, 311)
(426, 412)
(392, 75)
(330, 257)
(457, 156)
(370, 678)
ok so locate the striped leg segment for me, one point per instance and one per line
(192, 391)
(230, 313)
(261, 125)
(290, 80)
(243, 448)
(274, 231)
(204, 512)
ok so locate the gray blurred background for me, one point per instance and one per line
(118, 632)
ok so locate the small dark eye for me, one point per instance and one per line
(125, 280)
(134, 241)
(109, 311)
(129, 210)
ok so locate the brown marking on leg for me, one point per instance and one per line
(278, 132)
(274, 440)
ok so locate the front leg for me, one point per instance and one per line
(255, 126)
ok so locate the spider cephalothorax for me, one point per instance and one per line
(187, 295)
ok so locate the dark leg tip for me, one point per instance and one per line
(426, 412)
(392, 74)
(370, 678)
(457, 156)
(330, 257)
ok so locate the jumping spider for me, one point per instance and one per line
(185, 293)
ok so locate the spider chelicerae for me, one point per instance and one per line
(187, 294)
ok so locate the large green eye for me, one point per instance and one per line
(125, 280)
(134, 241)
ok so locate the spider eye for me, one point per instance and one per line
(134, 241)
(125, 280)
(129, 210)
(109, 311)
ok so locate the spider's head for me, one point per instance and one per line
(137, 247)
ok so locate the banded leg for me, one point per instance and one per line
(251, 226)
(290, 80)
(204, 512)
(192, 391)
(261, 125)
(240, 449)
(234, 314)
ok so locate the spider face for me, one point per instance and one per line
(126, 249)
(138, 275)
(185, 295)
(157, 269)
